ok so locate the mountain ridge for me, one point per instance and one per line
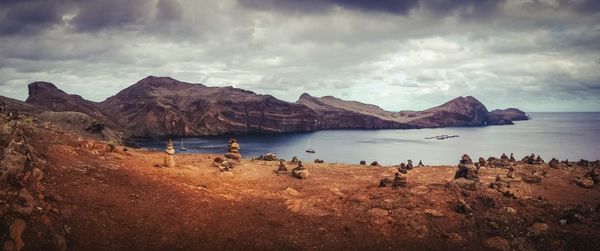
(160, 106)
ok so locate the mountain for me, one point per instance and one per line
(159, 106)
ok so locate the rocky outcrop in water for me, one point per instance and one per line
(159, 106)
(506, 116)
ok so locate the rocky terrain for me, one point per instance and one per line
(65, 188)
(159, 106)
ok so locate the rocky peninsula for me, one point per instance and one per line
(160, 106)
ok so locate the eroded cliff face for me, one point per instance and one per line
(163, 106)
(158, 106)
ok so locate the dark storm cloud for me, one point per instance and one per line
(465, 8)
(387, 6)
(97, 15)
(28, 16)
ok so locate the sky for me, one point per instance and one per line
(536, 55)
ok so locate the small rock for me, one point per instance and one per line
(291, 191)
(510, 210)
(497, 243)
(563, 222)
(538, 228)
(463, 183)
(433, 212)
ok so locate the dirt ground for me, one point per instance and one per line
(122, 201)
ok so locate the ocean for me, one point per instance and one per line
(570, 136)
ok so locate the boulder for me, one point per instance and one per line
(300, 174)
(466, 184)
(585, 182)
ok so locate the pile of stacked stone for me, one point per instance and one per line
(375, 163)
(511, 172)
(502, 186)
(233, 150)
(299, 171)
(554, 163)
(409, 165)
(495, 162)
(481, 161)
(319, 161)
(532, 160)
(512, 158)
(222, 164)
(363, 162)
(466, 169)
(294, 160)
(282, 169)
(398, 181)
(267, 157)
(169, 160)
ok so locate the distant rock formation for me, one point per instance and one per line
(160, 106)
(506, 116)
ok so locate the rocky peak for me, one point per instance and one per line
(41, 88)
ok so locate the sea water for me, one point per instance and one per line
(570, 136)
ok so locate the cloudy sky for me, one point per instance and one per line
(538, 55)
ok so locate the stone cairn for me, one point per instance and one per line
(409, 165)
(300, 172)
(169, 158)
(511, 172)
(282, 169)
(466, 169)
(554, 163)
(399, 181)
(233, 150)
(294, 160)
(481, 161)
